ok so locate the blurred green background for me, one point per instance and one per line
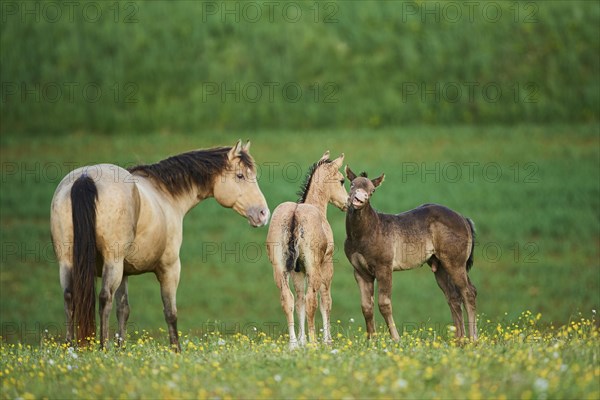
(491, 108)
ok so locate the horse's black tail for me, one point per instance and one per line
(83, 203)
(470, 259)
(291, 261)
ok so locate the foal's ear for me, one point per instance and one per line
(349, 174)
(377, 181)
(337, 163)
(235, 150)
(325, 156)
(246, 147)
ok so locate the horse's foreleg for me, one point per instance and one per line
(168, 278)
(111, 279)
(299, 279)
(287, 301)
(66, 282)
(384, 283)
(366, 287)
(122, 299)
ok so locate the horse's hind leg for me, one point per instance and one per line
(112, 274)
(66, 282)
(122, 300)
(287, 301)
(299, 279)
(452, 294)
(469, 293)
(325, 305)
(471, 309)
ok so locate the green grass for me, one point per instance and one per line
(515, 359)
(351, 64)
(533, 194)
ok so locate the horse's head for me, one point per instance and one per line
(361, 188)
(237, 186)
(333, 181)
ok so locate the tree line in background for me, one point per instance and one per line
(193, 66)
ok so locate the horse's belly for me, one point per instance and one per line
(409, 255)
(144, 255)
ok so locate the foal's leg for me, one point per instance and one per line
(366, 287)
(66, 282)
(469, 293)
(299, 279)
(122, 299)
(287, 301)
(384, 283)
(112, 274)
(325, 305)
(168, 277)
(453, 296)
(311, 302)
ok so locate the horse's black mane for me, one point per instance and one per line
(363, 174)
(303, 192)
(180, 173)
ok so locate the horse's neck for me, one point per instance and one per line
(317, 199)
(187, 200)
(362, 222)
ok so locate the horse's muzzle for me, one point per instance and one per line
(258, 216)
(359, 198)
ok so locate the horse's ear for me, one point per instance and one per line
(349, 174)
(337, 163)
(235, 150)
(377, 181)
(325, 156)
(246, 147)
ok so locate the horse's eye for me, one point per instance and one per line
(240, 176)
(342, 182)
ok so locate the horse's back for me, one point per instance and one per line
(310, 229)
(427, 214)
(429, 229)
(117, 208)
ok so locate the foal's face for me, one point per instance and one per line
(334, 180)
(237, 188)
(361, 189)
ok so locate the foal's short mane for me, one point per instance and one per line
(178, 174)
(305, 187)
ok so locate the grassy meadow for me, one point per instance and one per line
(511, 361)
(532, 190)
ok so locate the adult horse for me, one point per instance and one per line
(110, 222)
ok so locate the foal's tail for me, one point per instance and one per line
(470, 259)
(292, 253)
(83, 202)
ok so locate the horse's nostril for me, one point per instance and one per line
(263, 213)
